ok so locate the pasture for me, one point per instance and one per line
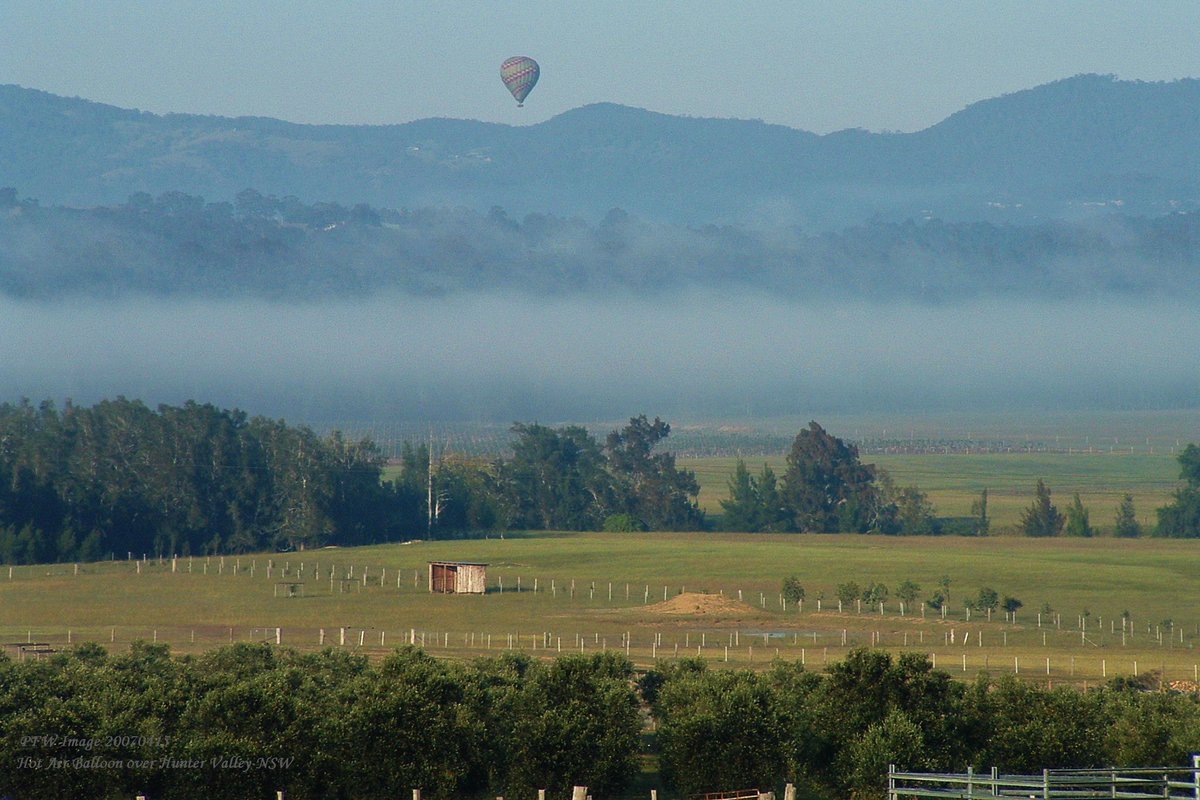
(1116, 606)
(583, 592)
(954, 480)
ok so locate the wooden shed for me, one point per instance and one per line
(457, 577)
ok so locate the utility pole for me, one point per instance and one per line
(429, 500)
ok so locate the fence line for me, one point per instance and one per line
(288, 568)
(1143, 783)
(292, 576)
(961, 647)
(644, 646)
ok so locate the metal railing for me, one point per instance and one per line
(1141, 783)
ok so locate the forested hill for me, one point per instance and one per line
(179, 245)
(1061, 150)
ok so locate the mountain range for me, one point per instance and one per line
(1065, 150)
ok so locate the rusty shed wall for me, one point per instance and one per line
(452, 577)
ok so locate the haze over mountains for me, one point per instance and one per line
(1040, 249)
(1064, 149)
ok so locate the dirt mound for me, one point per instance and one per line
(695, 604)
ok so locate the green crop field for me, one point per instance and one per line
(1102, 455)
(953, 481)
(722, 594)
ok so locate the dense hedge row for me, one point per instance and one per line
(837, 734)
(248, 720)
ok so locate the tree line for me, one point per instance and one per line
(177, 244)
(120, 478)
(907, 593)
(836, 734)
(827, 489)
(1179, 519)
(248, 720)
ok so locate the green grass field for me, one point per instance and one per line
(1152, 579)
(955, 480)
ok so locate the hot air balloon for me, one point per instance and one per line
(520, 75)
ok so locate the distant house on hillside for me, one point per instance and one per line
(457, 577)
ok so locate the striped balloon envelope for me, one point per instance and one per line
(520, 75)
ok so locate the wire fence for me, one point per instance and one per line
(326, 602)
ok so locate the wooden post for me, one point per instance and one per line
(416, 794)
(579, 793)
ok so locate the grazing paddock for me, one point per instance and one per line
(653, 596)
(953, 481)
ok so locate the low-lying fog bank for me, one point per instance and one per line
(505, 358)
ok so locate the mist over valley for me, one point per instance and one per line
(504, 357)
(1038, 250)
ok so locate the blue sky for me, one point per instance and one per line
(819, 66)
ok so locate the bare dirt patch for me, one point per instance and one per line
(695, 604)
